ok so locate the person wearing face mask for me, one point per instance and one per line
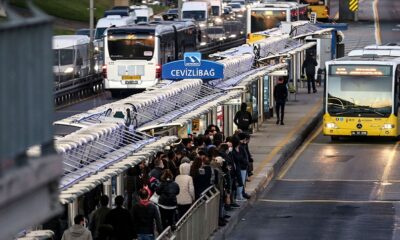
(78, 230)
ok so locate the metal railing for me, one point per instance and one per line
(200, 221)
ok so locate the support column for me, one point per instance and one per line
(120, 184)
(72, 211)
(107, 189)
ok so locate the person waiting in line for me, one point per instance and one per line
(98, 217)
(186, 196)
(243, 118)
(144, 214)
(280, 96)
(308, 67)
(168, 190)
(121, 221)
(78, 230)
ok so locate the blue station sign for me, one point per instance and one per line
(192, 67)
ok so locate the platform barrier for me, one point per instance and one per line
(199, 222)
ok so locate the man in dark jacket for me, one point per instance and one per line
(121, 221)
(144, 214)
(280, 96)
(243, 118)
(309, 65)
(98, 217)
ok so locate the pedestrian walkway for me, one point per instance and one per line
(273, 144)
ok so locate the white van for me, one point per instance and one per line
(111, 20)
(144, 15)
(71, 56)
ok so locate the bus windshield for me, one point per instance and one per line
(196, 15)
(360, 95)
(266, 19)
(131, 46)
(63, 57)
(99, 33)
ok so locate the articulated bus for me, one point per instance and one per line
(321, 8)
(362, 93)
(133, 55)
(265, 16)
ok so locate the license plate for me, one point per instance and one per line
(359, 133)
(131, 77)
(131, 82)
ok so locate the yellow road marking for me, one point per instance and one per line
(323, 201)
(286, 140)
(293, 159)
(378, 37)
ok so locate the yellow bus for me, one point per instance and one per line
(362, 93)
(264, 16)
(321, 8)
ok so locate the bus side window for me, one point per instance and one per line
(398, 81)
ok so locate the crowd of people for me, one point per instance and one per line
(163, 189)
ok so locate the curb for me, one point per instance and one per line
(277, 162)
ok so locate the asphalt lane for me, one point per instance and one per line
(83, 105)
(330, 190)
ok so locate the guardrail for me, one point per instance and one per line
(199, 222)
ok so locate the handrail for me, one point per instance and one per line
(191, 224)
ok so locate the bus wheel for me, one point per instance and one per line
(334, 138)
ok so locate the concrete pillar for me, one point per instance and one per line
(120, 184)
(72, 211)
(107, 189)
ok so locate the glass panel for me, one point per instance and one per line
(369, 96)
(63, 57)
(196, 15)
(266, 19)
(130, 46)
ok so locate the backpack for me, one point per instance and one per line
(244, 118)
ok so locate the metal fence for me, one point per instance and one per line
(200, 221)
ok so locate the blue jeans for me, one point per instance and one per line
(240, 190)
(145, 236)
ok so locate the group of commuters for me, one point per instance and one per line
(160, 191)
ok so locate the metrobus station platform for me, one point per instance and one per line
(272, 145)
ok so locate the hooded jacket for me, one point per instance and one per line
(185, 182)
(168, 191)
(77, 232)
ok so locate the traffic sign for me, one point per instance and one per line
(353, 5)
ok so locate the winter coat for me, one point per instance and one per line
(240, 158)
(168, 191)
(98, 218)
(203, 180)
(309, 66)
(121, 221)
(186, 187)
(280, 92)
(77, 232)
(144, 214)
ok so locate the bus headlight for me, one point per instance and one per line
(388, 126)
(69, 70)
(331, 125)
